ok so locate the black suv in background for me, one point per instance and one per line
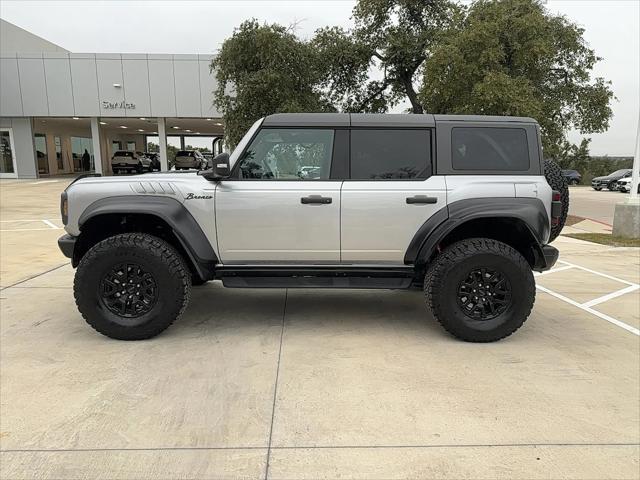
(572, 177)
(610, 181)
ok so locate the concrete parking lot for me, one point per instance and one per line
(289, 384)
(599, 206)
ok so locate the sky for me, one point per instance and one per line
(612, 29)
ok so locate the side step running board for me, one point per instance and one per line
(315, 276)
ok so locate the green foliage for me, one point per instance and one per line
(512, 57)
(401, 35)
(264, 69)
(495, 57)
(576, 157)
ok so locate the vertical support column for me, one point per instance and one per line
(162, 138)
(95, 140)
(635, 171)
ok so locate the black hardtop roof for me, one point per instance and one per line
(378, 119)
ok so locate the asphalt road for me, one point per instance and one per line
(585, 202)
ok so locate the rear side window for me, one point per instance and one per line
(378, 154)
(487, 148)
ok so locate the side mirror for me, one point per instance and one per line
(218, 168)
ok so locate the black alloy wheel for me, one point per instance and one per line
(128, 290)
(484, 294)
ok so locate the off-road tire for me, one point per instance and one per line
(170, 273)
(452, 266)
(553, 174)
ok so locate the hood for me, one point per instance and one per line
(149, 177)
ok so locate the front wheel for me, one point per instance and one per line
(480, 290)
(612, 186)
(132, 286)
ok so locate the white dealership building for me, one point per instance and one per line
(55, 104)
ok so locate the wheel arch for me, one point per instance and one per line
(519, 222)
(160, 216)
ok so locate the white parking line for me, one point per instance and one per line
(40, 182)
(553, 270)
(604, 298)
(586, 306)
(51, 224)
(601, 315)
(610, 277)
(28, 229)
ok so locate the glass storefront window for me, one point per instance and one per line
(131, 146)
(40, 141)
(80, 145)
(7, 159)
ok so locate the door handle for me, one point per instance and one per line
(316, 199)
(421, 199)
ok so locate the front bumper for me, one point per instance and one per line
(67, 244)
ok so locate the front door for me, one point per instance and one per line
(280, 207)
(390, 195)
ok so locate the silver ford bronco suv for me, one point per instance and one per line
(461, 206)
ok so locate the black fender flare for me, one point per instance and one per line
(531, 211)
(173, 213)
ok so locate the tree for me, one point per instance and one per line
(394, 37)
(512, 57)
(264, 69)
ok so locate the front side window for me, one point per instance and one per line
(390, 154)
(288, 154)
(487, 148)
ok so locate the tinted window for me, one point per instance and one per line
(184, 153)
(485, 148)
(123, 153)
(288, 154)
(388, 154)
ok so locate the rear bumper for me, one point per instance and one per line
(67, 244)
(547, 259)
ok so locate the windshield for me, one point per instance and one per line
(243, 143)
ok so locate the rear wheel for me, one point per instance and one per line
(480, 290)
(555, 179)
(574, 182)
(132, 286)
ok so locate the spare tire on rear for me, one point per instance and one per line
(553, 174)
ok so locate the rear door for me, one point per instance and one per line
(280, 207)
(390, 194)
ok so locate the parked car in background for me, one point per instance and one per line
(624, 185)
(186, 159)
(610, 181)
(572, 177)
(127, 161)
(155, 160)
